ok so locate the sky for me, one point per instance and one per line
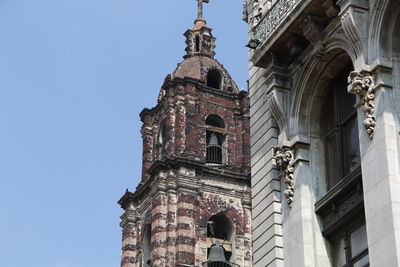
(74, 76)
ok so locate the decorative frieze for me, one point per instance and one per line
(362, 84)
(284, 158)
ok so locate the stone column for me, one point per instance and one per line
(186, 235)
(302, 238)
(148, 142)
(380, 165)
(171, 227)
(158, 230)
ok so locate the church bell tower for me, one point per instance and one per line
(194, 195)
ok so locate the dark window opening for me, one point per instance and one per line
(197, 43)
(341, 131)
(215, 121)
(214, 79)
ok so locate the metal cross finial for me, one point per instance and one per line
(200, 8)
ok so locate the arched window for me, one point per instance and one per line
(215, 139)
(340, 131)
(220, 229)
(214, 79)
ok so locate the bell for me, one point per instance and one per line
(213, 140)
(217, 254)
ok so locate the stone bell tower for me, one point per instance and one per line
(195, 187)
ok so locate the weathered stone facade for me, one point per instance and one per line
(305, 51)
(166, 219)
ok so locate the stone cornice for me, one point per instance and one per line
(155, 183)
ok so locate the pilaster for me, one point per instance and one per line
(381, 178)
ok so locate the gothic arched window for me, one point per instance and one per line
(214, 79)
(215, 139)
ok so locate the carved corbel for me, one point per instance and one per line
(331, 10)
(296, 45)
(284, 159)
(312, 30)
(362, 84)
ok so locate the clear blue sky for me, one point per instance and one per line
(74, 75)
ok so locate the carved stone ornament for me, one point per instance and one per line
(257, 13)
(362, 84)
(221, 205)
(284, 158)
(245, 12)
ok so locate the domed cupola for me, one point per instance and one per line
(199, 64)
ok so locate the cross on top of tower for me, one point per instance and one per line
(200, 8)
(200, 22)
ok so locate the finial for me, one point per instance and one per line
(200, 22)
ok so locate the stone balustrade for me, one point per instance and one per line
(273, 19)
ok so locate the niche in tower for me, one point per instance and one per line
(214, 79)
(147, 245)
(215, 139)
(162, 140)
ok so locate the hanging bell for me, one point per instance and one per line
(216, 256)
(213, 140)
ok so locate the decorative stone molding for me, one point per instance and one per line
(362, 84)
(353, 15)
(277, 109)
(284, 158)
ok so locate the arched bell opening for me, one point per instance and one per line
(221, 230)
(215, 139)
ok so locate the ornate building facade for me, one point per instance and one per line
(324, 91)
(195, 187)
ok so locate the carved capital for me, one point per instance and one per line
(284, 158)
(362, 84)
